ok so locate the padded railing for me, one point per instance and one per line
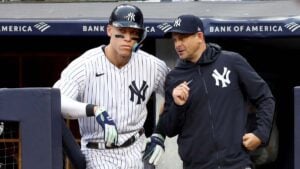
(38, 112)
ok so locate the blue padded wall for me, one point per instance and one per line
(38, 112)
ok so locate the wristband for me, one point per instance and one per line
(89, 109)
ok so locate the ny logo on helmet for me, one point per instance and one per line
(139, 92)
(130, 17)
(177, 22)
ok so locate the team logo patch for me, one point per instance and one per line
(130, 17)
(139, 92)
(223, 78)
(177, 22)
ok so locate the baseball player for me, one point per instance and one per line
(107, 89)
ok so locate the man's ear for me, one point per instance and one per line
(201, 36)
(108, 30)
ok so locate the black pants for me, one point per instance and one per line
(71, 148)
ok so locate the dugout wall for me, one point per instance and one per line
(38, 113)
(39, 40)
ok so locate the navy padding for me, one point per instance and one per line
(38, 112)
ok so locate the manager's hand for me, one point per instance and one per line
(181, 93)
(108, 125)
(251, 141)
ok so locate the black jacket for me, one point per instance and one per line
(210, 126)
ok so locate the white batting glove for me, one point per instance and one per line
(154, 149)
(109, 127)
(158, 152)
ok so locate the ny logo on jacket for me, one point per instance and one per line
(223, 78)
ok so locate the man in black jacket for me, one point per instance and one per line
(206, 100)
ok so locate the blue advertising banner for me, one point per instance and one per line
(253, 27)
(214, 27)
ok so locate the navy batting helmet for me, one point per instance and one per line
(128, 16)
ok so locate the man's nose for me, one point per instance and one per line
(127, 36)
(177, 43)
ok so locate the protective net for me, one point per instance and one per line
(9, 145)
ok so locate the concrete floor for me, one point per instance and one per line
(170, 159)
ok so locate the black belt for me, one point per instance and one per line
(127, 143)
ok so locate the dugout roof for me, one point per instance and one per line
(234, 19)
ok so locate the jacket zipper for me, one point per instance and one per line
(210, 115)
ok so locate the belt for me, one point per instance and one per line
(130, 141)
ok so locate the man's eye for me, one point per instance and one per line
(135, 38)
(122, 31)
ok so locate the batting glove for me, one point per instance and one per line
(109, 127)
(154, 149)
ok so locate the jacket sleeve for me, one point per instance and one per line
(172, 118)
(259, 94)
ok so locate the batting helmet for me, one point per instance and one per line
(127, 16)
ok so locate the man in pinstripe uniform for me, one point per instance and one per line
(107, 89)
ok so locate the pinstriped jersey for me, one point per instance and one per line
(123, 92)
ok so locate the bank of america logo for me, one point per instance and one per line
(164, 27)
(292, 26)
(42, 26)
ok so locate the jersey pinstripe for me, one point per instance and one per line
(92, 78)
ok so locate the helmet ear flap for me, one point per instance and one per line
(140, 43)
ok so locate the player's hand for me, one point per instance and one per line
(154, 149)
(181, 93)
(108, 125)
(251, 141)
